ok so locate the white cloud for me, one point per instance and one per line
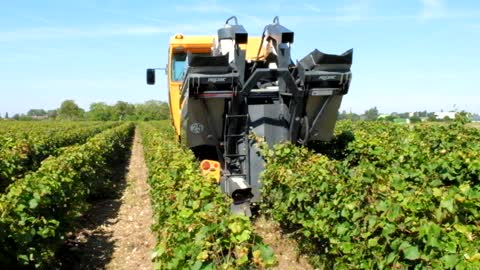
(48, 33)
(353, 11)
(357, 7)
(209, 7)
(432, 9)
(313, 8)
(302, 20)
(141, 30)
(438, 9)
(38, 19)
(364, 11)
(212, 7)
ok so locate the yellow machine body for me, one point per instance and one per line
(180, 44)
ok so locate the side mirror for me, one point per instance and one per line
(151, 76)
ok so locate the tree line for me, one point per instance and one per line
(159, 110)
(415, 117)
(99, 111)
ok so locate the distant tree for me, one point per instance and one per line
(69, 110)
(123, 111)
(24, 117)
(446, 119)
(389, 118)
(343, 115)
(6, 115)
(353, 116)
(423, 114)
(152, 110)
(404, 115)
(16, 116)
(36, 112)
(52, 114)
(415, 119)
(100, 111)
(476, 117)
(431, 117)
(371, 114)
(463, 117)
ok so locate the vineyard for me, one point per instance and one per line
(383, 196)
(378, 196)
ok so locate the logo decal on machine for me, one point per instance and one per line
(215, 80)
(327, 77)
(196, 128)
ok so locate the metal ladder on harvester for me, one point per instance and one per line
(232, 136)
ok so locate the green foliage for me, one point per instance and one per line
(23, 146)
(152, 110)
(38, 210)
(402, 197)
(192, 217)
(415, 119)
(462, 117)
(148, 111)
(122, 110)
(371, 114)
(100, 112)
(37, 112)
(350, 116)
(69, 110)
(389, 118)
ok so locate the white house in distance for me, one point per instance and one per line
(441, 115)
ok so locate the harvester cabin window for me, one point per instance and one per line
(179, 66)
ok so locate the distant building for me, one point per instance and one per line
(442, 115)
(40, 117)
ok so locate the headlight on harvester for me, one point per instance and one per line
(238, 189)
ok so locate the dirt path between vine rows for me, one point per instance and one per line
(115, 233)
(285, 249)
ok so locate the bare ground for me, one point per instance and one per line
(115, 233)
(285, 249)
(475, 125)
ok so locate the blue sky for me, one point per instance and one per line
(408, 55)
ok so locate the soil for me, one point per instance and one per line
(115, 233)
(285, 249)
(475, 125)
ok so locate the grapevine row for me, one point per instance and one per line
(38, 210)
(394, 197)
(23, 150)
(194, 227)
